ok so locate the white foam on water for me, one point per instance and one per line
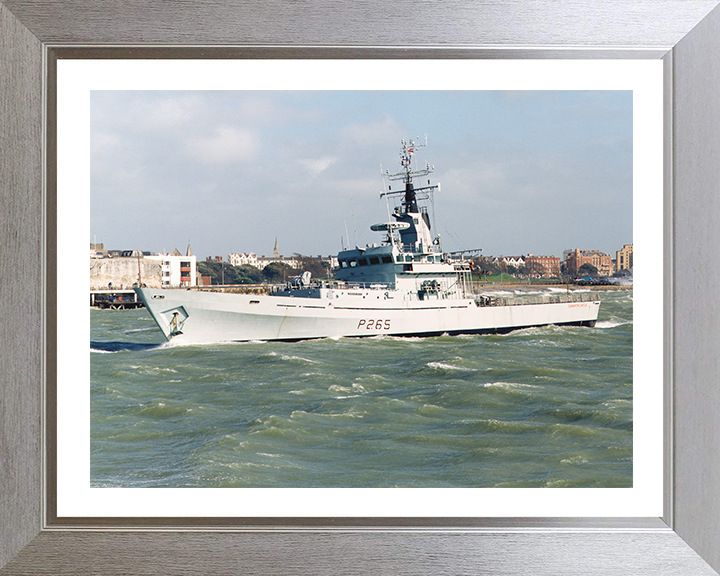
(179, 343)
(507, 385)
(288, 357)
(443, 366)
(575, 460)
(609, 324)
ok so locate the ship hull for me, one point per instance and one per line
(194, 316)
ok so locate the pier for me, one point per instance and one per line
(114, 299)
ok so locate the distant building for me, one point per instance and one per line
(516, 261)
(276, 258)
(331, 260)
(543, 266)
(624, 258)
(252, 259)
(600, 260)
(123, 269)
(176, 269)
(280, 259)
(133, 254)
(97, 250)
(244, 259)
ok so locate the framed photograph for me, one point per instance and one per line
(662, 518)
(486, 425)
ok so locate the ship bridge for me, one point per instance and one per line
(409, 259)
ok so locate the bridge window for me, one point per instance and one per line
(353, 263)
(343, 264)
(408, 258)
(362, 261)
(387, 259)
(374, 260)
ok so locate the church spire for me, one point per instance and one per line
(276, 250)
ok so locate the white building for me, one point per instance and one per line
(176, 269)
(244, 259)
(516, 261)
(264, 261)
(252, 259)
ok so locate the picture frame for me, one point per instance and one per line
(684, 34)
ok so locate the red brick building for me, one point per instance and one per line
(544, 266)
(601, 261)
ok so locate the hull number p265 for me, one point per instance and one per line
(373, 324)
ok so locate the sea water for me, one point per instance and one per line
(539, 407)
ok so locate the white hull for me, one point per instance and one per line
(215, 317)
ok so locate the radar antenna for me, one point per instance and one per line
(407, 174)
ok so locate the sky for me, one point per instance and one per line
(521, 172)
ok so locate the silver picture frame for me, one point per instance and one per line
(684, 34)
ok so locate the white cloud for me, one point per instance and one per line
(104, 148)
(317, 165)
(226, 145)
(368, 134)
(171, 113)
(504, 164)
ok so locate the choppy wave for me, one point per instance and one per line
(355, 389)
(160, 409)
(548, 406)
(610, 323)
(274, 356)
(508, 385)
(449, 367)
(151, 329)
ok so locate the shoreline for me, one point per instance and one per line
(474, 285)
(598, 287)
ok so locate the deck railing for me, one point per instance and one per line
(525, 299)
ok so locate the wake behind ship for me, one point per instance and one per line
(404, 286)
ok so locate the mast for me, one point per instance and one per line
(407, 174)
(415, 218)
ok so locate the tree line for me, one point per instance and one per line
(274, 273)
(484, 266)
(278, 273)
